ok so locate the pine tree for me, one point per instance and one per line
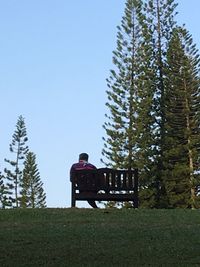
(129, 126)
(118, 146)
(182, 137)
(18, 146)
(127, 91)
(161, 20)
(32, 193)
(4, 193)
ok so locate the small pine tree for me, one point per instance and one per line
(4, 194)
(32, 194)
(18, 146)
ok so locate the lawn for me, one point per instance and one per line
(103, 237)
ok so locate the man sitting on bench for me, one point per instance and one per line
(83, 164)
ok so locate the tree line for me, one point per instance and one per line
(20, 183)
(153, 102)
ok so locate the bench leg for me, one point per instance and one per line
(73, 200)
(73, 203)
(135, 203)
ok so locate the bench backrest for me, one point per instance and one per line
(106, 179)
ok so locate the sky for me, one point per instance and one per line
(55, 57)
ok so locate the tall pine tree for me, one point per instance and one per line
(161, 18)
(32, 194)
(127, 91)
(129, 127)
(182, 136)
(20, 149)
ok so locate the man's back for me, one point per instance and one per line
(81, 165)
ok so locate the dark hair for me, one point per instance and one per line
(83, 156)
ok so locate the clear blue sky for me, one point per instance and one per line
(54, 58)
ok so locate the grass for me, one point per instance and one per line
(92, 238)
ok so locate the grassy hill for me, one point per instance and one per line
(86, 237)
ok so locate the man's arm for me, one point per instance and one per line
(71, 173)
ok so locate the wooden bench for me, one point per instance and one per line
(105, 185)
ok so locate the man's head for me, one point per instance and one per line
(83, 156)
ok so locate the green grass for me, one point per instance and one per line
(86, 237)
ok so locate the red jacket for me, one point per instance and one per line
(81, 165)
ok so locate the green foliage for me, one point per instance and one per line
(111, 237)
(18, 146)
(32, 194)
(153, 100)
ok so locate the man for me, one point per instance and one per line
(83, 164)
